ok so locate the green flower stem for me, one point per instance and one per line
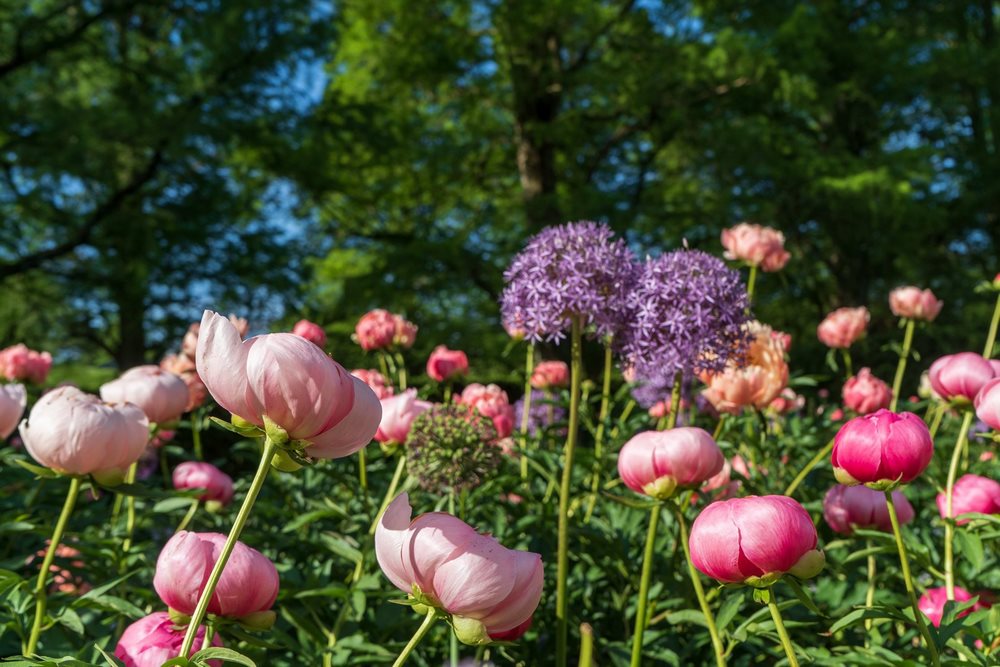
(391, 491)
(623, 417)
(401, 369)
(196, 434)
(675, 402)
(41, 598)
(991, 337)
(901, 365)
(529, 367)
(699, 591)
(130, 508)
(949, 495)
(234, 534)
(939, 411)
(719, 426)
(904, 563)
(415, 639)
(188, 516)
(562, 558)
(363, 473)
(751, 282)
(870, 592)
(779, 625)
(586, 645)
(647, 570)
(813, 462)
(382, 365)
(848, 366)
(602, 417)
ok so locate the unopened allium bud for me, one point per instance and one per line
(452, 447)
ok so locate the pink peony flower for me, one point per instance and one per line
(757, 382)
(75, 433)
(183, 367)
(154, 639)
(218, 486)
(755, 540)
(657, 463)
(289, 382)
(492, 402)
(848, 507)
(489, 590)
(311, 331)
(932, 603)
(376, 330)
(398, 413)
(864, 393)
(249, 582)
(843, 327)
(787, 402)
(17, 362)
(445, 364)
(162, 395)
(375, 380)
(972, 493)
(406, 333)
(13, 399)
(550, 375)
(913, 303)
(987, 403)
(960, 376)
(723, 482)
(756, 245)
(881, 449)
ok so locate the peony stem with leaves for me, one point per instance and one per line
(949, 522)
(417, 636)
(904, 355)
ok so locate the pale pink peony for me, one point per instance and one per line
(398, 413)
(846, 508)
(17, 362)
(13, 399)
(658, 463)
(843, 327)
(162, 395)
(375, 380)
(183, 366)
(756, 245)
(864, 393)
(218, 486)
(987, 403)
(914, 303)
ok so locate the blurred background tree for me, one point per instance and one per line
(287, 159)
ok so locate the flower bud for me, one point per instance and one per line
(972, 493)
(987, 403)
(959, 377)
(311, 331)
(550, 375)
(843, 327)
(657, 463)
(162, 395)
(933, 600)
(218, 486)
(881, 450)
(155, 639)
(864, 393)
(13, 399)
(913, 303)
(445, 364)
(375, 330)
(756, 245)
(846, 508)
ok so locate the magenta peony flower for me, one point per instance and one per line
(848, 507)
(445, 364)
(881, 450)
(218, 486)
(932, 603)
(972, 493)
(154, 639)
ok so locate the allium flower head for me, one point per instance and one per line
(689, 312)
(452, 447)
(542, 415)
(573, 270)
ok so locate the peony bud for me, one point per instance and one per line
(657, 463)
(13, 399)
(846, 508)
(756, 245)
(987, 403)
(154, 639)
(972, 493)
(864, 393)
(550, 375)
(959, 377)
(218, 486)
(445, 364)
(843, 327)
(311, 331)
(881, 450)
(913, 303)
(398, 413)
(163, 396)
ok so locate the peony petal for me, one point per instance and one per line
(715, 544)
(475, 579)
(432, 540)
(775, 534)
(524, 596)
(182, 570)
(390, 533)
(221, 361)
(354, 431)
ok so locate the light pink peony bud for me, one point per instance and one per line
(13, 399)
(550, 375)
(987, 403)
(932, 603)
(218, 485)
(756, 245)
(162, 395)
(375, 330)
(291, 383)
(913, 303)
(445, 364)
(154, 639)
(959, 377)
(723, 482)
(492, 402)
(406, 333)
(843, 326)
(75, 433)
(375, 380)
(864, 393)
(398, 413)
(658, 463)
(972, 493)
(311, 331)
(881, 449)
(846, 508)
(249, 582)
(755, 540)
(17, 362)
(488, 589)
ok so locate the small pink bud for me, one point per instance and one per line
(972, 493)
(154, 639)
(959, 377)
(846, 508)
(864, 393)
(445, 364)
(13, 399)
(843, 327)
(311, 331)
(217, 485)
(550, 375)
(881, 449)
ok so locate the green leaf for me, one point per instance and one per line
(970, 546)
(238, 430)
(110, 659)
(309, 517)
(687, 616)
(176, 503)
(223, 654)
(39, 471)
(69, 618)
(859, 615)
(728, 610)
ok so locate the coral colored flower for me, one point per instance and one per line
(75, 433)
(723, 482)
(864, 393)
(398, 413)
(550, 375)
(217, 485)
(972, 493)
(755, 540)
(756, 245)
(375, 380)
(311, 331)
(488, 589)
(162, 395)
(445, 364)
(154, 639)
(932, 603)
(64, 580)
(406, 333)
(289, 382)
(657, 463)
(960, 376)
(914, 304)
(183, 366)
(249, 582)
(843, 327)
(17, 362)
(375, 330)
(13, 399)
(492, 402)
(848, 507)
(757, 383)
(881, 449)
(987, 403)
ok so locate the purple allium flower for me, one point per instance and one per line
(689, 315)
(652, 385)
(542, 414)
(571, 270)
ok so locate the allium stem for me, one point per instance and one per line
(751, 282)
(417, 636)
(904, 563)
(904, 355)
(643, 599)
(602, 417)
(234, 534)
(586, 645)
(188, 516)
(991, 337)
(779, 625)
(529, 367)
(699, 591)
(675, 402)
(562, 559)
(949, 498)
(41, 597)
(813, 462)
